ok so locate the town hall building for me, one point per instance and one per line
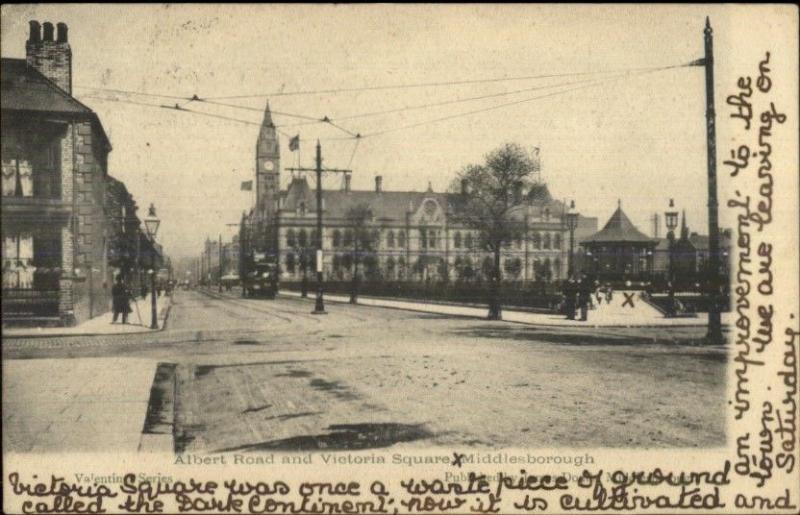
(412, 236)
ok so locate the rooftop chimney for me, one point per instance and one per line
(52, 57)
(378, 184)
(347, 182)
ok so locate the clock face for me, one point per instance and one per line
(269, 165)
(430, 207)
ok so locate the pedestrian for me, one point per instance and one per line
(584, 297)
(569, 298)
(609, 294)
(120, 300)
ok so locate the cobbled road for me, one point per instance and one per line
(259, 374)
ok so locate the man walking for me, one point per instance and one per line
(120, 300)
(584, 292)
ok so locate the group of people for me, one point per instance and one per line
(121, 296)
(578, 296)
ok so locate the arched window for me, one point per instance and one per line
(457, 240)
(290, 262)
(390, 265)
(537, 240)
(337, 238)
(546, 241)
(302, 238)
(390, 239)
(401, 239)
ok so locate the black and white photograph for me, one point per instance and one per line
(372, 234)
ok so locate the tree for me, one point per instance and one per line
(486, 198)
(358, 219)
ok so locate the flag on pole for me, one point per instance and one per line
(294, 143)
(247, 185)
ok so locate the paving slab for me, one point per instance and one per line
(74, 405)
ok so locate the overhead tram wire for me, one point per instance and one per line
(596, 82)
(427, 84)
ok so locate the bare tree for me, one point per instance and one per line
(487, 197)
(358, 219)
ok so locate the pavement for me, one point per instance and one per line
(138, 322)
(613, 314)
(254, 374)
(64, 405)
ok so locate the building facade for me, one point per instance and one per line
(54, 166)
(412, 238)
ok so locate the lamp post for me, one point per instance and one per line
(671, 217)
(571, 221)
(151, 223)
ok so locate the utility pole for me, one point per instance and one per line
(714, 334)
(319, 304)
(219, 247)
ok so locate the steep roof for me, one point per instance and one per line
(23, 88)
(619, 229)
(385, 205)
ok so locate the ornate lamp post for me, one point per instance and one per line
(571, 221)
(151, 223)
(671, 217)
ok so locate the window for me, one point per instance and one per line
(390, 240)
(337, 238)
(18, 266)
(390, 265)
(433, 238)
(546, 241)
(557, 240)
(290, 262)
(291, 239)
(348, 238)
(302, 238)
(468, 241)
(457, 240)
(423, 239)
(537, 240)
(401, 239)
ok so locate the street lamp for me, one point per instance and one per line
(151, 223)
(671, 218)
(571, 220)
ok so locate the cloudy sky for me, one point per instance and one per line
(604, 133)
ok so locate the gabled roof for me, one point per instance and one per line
(619, 229)
(23, 88)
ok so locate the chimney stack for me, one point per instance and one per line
(51, 56)
(378, 184)
(347, 182)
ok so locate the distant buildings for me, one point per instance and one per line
(67, 225)
(413, 239)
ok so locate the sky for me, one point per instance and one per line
(633, 136)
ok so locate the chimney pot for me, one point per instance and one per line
(61, 32)
(378, 184)
(48, 31)
(36, 32)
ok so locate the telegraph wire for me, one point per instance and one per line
(499, 106)
(426, 84)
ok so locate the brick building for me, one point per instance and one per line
(54, 178)
(412, 237)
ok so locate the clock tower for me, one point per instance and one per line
(267, 168)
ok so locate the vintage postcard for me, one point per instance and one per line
(450, 259)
